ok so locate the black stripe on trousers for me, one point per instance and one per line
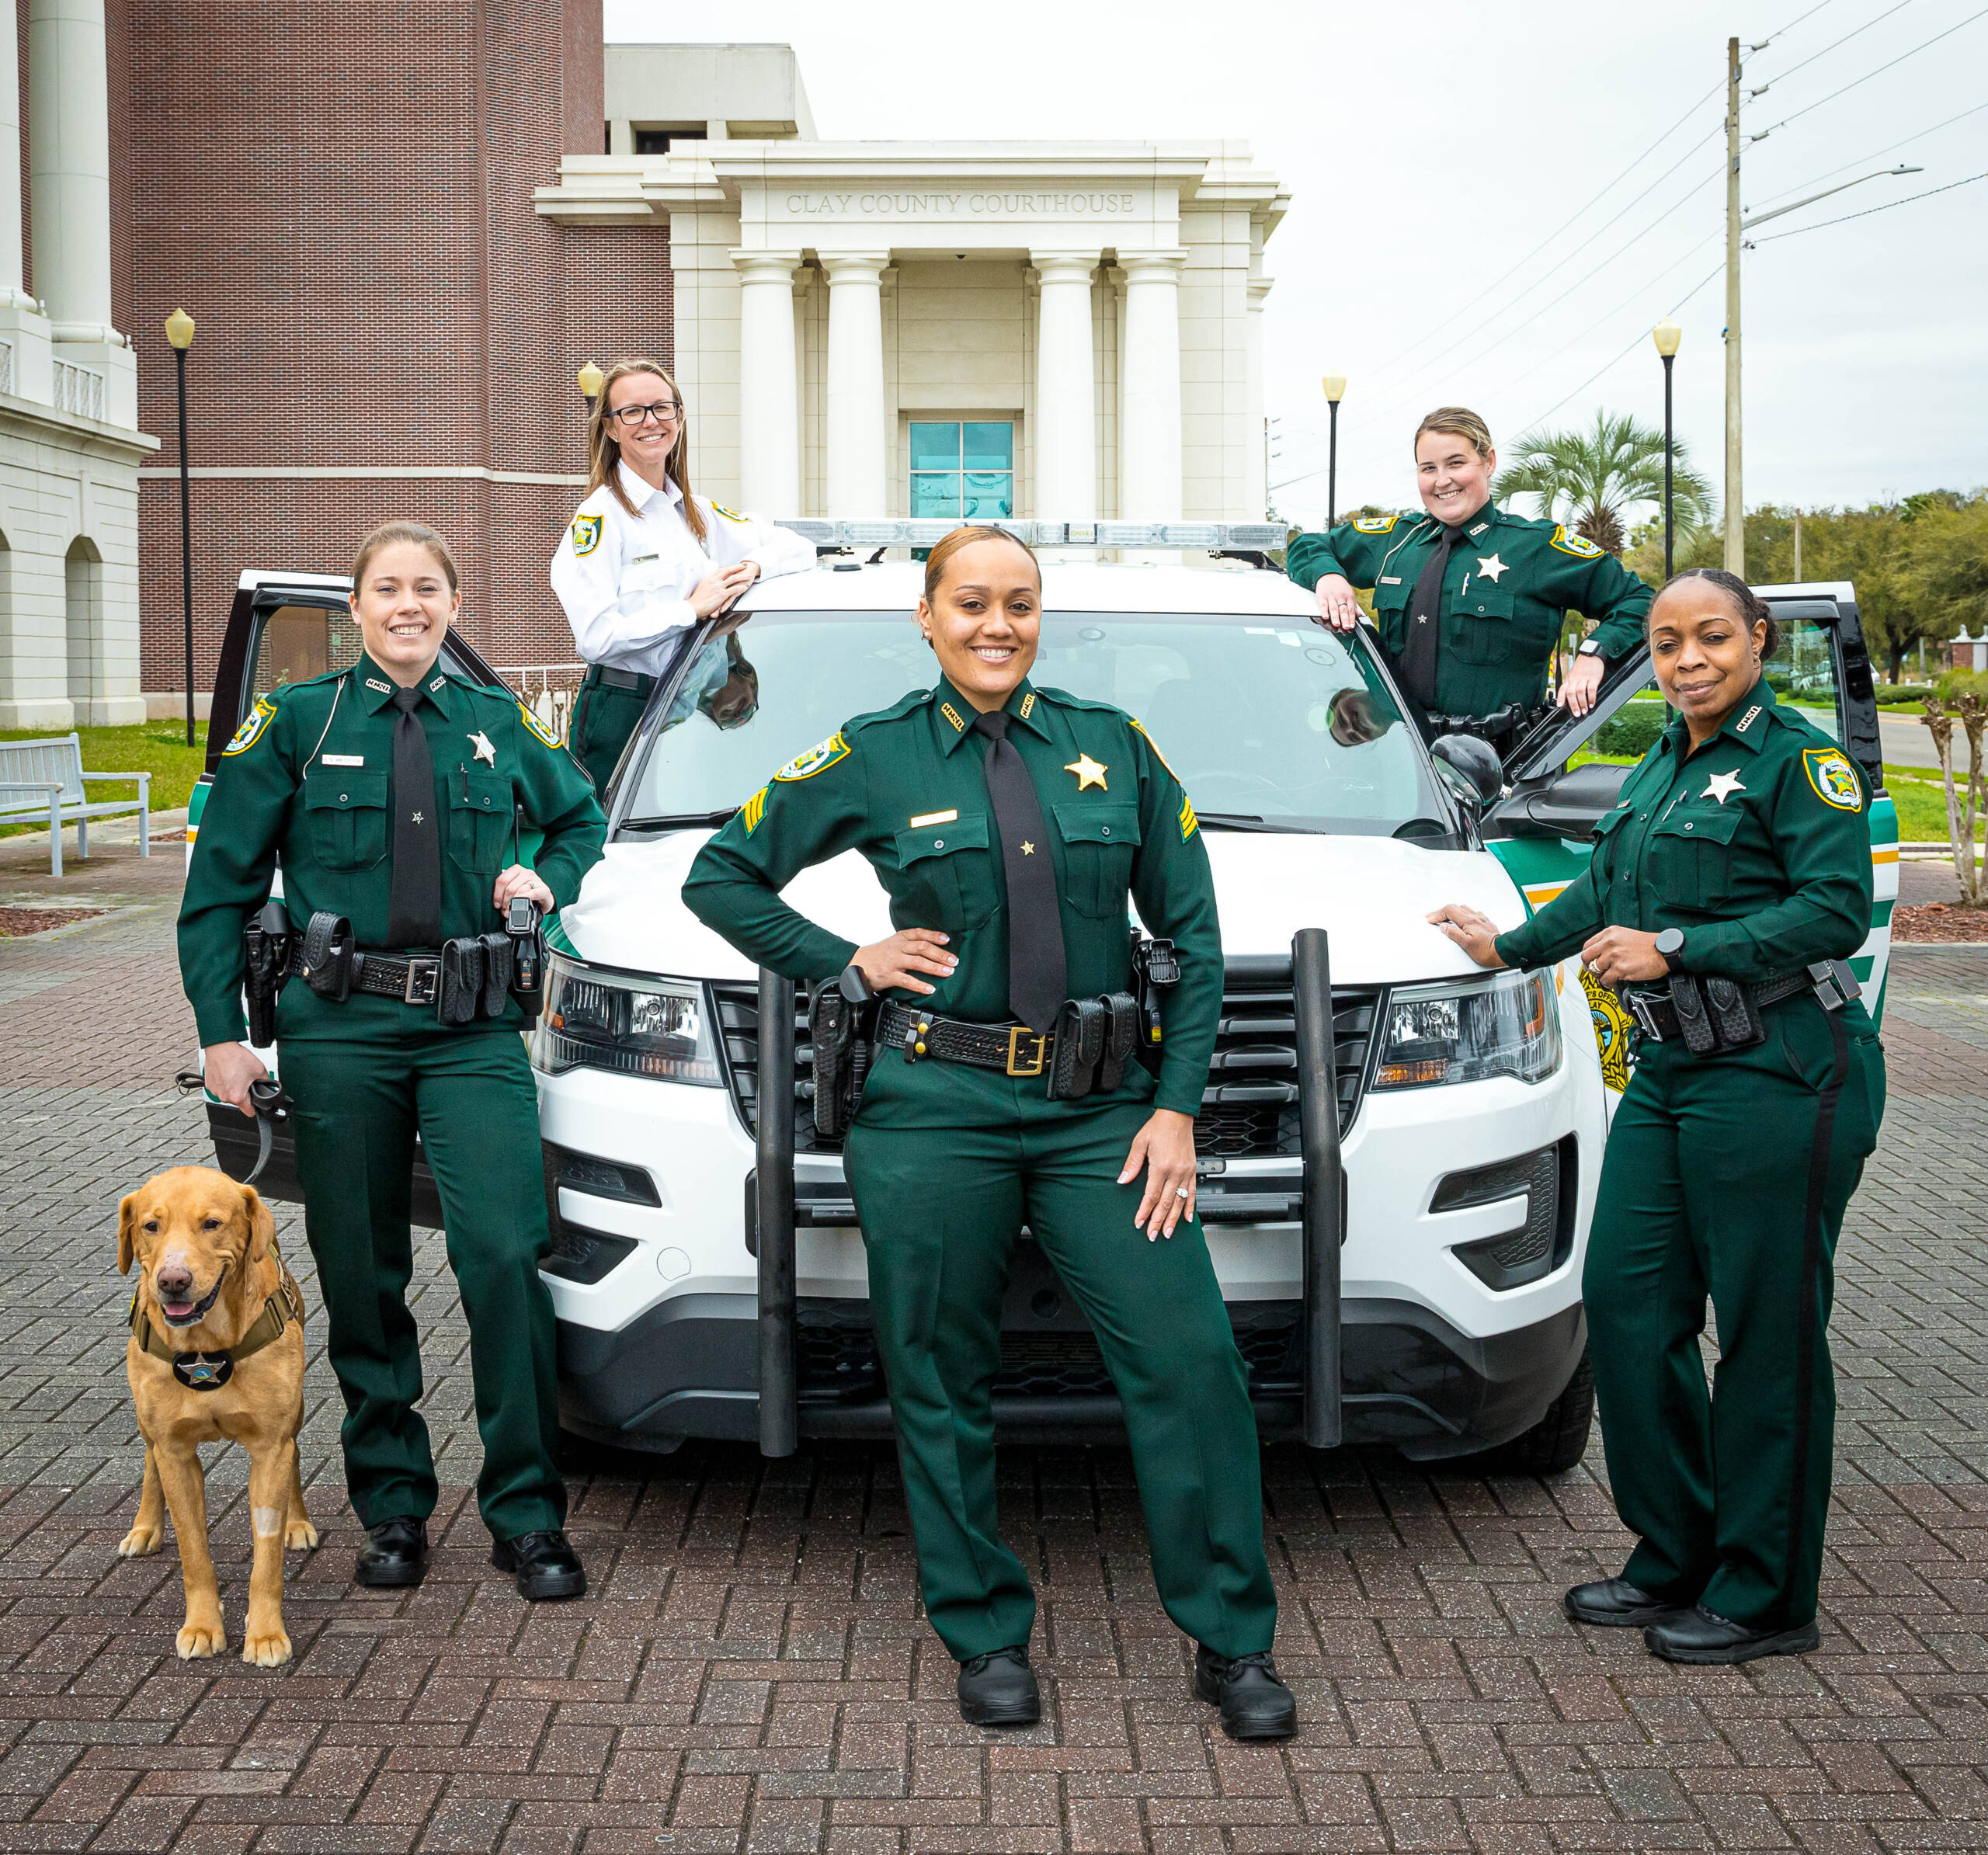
(1812, 1257)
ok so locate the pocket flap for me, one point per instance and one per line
(1484, 600)
(341, 791)
(918, 842)
(1611, 821)
(484, 792)
(1082, 824)
(1391, 592)
(1714, 827)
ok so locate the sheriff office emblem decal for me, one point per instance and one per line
(818, 759)
(1834, 779)
(246, 735)
(586, 534)
(1578, 546)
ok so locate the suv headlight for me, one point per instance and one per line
(659, 1028)
(1466, 1030)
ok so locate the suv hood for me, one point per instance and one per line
(1369, 892)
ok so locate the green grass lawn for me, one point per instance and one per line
(158, 748)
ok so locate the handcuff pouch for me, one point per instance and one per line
(462, 980)
(328, 956)
(1121, 1037)
(496, 974)
(1080, 1029)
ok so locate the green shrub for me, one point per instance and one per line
(1633, 729)
(1892, 695)
(1961, 683)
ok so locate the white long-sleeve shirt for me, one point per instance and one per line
(625, 581)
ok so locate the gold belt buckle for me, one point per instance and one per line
(1015, 1033)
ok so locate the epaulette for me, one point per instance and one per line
(906, 704)
(1063, 698)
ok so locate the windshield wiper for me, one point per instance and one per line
(682, 821)
(1248, 821)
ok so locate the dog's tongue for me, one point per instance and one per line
(178, 1310)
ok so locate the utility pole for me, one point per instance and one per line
(1797, 547)
(1736, 500)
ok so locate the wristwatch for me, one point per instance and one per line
(1670, 944)
(1589, 648)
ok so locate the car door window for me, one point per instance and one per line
(1803, 672)
(295, 643)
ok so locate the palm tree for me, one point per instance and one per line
(1588, 480)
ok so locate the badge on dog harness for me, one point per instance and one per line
(199, 1373)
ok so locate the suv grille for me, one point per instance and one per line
(1249, 1110)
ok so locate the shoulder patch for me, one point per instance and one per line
(538, 727)
(818, 759)
(586, 534)
(1140, 726)
(753, 809)
(1834, 778)
(251, 731)
(1374, 524)
(1577, 545)
(731, 515)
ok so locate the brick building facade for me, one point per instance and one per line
(341, 195)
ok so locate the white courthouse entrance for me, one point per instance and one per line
(910, 329)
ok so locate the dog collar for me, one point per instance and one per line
(210, 1371)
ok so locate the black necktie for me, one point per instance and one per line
(1425, 621)
(1038, 980)
(414, 913)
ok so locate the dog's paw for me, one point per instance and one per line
(300, 1533)
(141, 1542)
(268, 1651)
(197, 1640)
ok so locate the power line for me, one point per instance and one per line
(1875, 153)
(1791, 25)
(1867, 77)
(1868, 211)
(1831, 47)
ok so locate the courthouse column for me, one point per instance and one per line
(1149, 470)
(853, 459)
(69, 154)
(1065, 389)
(769, 388)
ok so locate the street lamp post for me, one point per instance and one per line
(590, 377)
(1335, 387)
(179, 333)
(1667, 334)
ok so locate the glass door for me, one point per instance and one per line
(963, 469)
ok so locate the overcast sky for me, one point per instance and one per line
(1428, 152)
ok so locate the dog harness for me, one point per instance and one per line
(210, 1371)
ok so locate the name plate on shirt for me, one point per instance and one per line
(343, 760)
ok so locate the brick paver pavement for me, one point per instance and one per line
(751, 1673)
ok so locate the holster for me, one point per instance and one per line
(462, 980)
(1080, 1029)
(328, 956)
(841, 1021)
(1155, 971)
(524, 927)
(267, 941)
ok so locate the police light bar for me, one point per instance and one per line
(893, 531)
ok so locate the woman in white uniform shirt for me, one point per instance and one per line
(644, 559)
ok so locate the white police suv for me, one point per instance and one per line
(1398, 1160)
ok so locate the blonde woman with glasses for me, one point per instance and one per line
(645, 559)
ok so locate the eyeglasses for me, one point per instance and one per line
(663, 410)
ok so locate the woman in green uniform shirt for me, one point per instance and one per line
(1010, 826)
(1740, 852)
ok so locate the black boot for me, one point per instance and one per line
(547, 1567)
(1616, 1604)
(395, 1554)
(1698, 1636)
(1255, 1703)
(999, 1689)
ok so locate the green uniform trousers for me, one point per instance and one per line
(358, 1105)
(941, 1209)
(603, 718)
(1728, 1176)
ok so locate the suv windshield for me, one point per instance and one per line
(1274, 722)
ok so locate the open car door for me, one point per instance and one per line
(285, 628)
(1542, 830)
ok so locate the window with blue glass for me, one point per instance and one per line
(964, 470)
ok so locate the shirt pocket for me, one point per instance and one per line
(346, 814)
(945, 875)
(1099, 844)
(1485, 630)
(479, 810)
(1688, 862)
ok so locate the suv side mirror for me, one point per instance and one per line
(1469, 767)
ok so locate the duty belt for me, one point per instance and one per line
(1012, 1049)
(1657, 1018)
(600, 676)
(413, 979)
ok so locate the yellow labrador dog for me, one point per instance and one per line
(216, 1352)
